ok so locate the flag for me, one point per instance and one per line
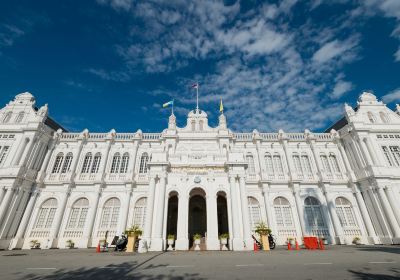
(221, 107)
(196, 85)
(168, 103)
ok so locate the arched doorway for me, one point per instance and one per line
(197, 214)
(172, 217)
(222, 212)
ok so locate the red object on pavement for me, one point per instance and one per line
(311, 242)
(297, 245)
(255, 246)
(98, 248)
(321, 244)
(289, 247)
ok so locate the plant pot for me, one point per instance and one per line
(224, 241)
(265, 242)
(197, 244)
(170, 243)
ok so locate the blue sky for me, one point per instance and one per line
(286, 64)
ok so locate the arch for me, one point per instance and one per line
(172, 214)
(313, 213)
(384, 117)
(57, 163)
(67, 163)
(87, 162)
(139, 212)
(46, 214)
(110, 215)
(19, 117)
(115, 163)
(345, 212)
(77, 217)
(144, 159)
(371, 117)
(254, 212)
(124, 163)
(7, 117)
(284, 217)
(222, 213)
(197, 214)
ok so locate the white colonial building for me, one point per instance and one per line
(57, 185)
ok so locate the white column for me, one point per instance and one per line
(370, 149)
(316, 159)
(268, 208)
(364, 151)
(300, 211)
(157, 242)
(87, 232)
(182, 241)
(212, 223)
(28, 151)
(125, 210)
(46, 160)
(389, 213)
(237, 243)
(245, 215)
(345, 158)
(149, 210)
(6, 202)
(393, 203)
(230, 226)
(2, 193)
(21, 149)
(365, 216)
(17, 209)
(58, 219)
(335, 219)
(76, 159)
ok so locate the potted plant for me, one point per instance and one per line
(70, 244)
(224, 240)
(133, 232)
(291, 241)
(357, 240)
(34, 244)
(170, 240)
(263, 231)
(197, 240)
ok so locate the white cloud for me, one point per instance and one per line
(392, 96)
(117, 4)
(334, 49)
(110, 75)
(341, 88)
(397, 55)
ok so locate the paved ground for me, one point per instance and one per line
(339, 262)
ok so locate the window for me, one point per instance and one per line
(345, 212)
(143, 163)
(297, 165)
(109, 217)
(395, 151)
(269, 165)
(124, 163)
(96, 163)
(334, 163)
(313, 212)
(306, 164)
(325, 164)
(115, 163)
(384, 117)
(67, 163)
(19, 117)
(278, 164)
(254, 212)
(3, 153)
(78, 214)
(371, 117)
(58, 163)
(46, 214)
(283, 212)
(87, 163)
(251, 169)
(140, 212)
(7, 117)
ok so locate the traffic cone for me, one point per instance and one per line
(297, 245)
(98, 248)
(289, 247)
(255, 246)
(321, 244)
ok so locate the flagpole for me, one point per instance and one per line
(197, 97)
(172, 111)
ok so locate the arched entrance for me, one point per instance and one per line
(222, 212)
(172, 215)
(197, 214)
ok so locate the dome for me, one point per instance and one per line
(197, 113)
(367, 97)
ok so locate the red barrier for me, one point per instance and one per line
(311, 242)
(321, 244)
(255, 246)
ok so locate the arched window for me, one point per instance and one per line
(313, 212)
(124, 163)
(115, 163)
(201, 124)
(140, 212)
(19, 117)
(110, 215)
(79, 211)
(278, 164)
(297, 165)
(254, 212)
(384, 117)
(334, 163)
(7, 117)
(283, 213)
(87, 162)
(58, 163)
(371, 117)
(96, 163)
(46, 214)
(269, 165)
(67, 163)
(345, 212)
(251, 169)
(143, 163)
(305, 160)
(326, 165)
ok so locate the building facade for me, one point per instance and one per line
(57, 185)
